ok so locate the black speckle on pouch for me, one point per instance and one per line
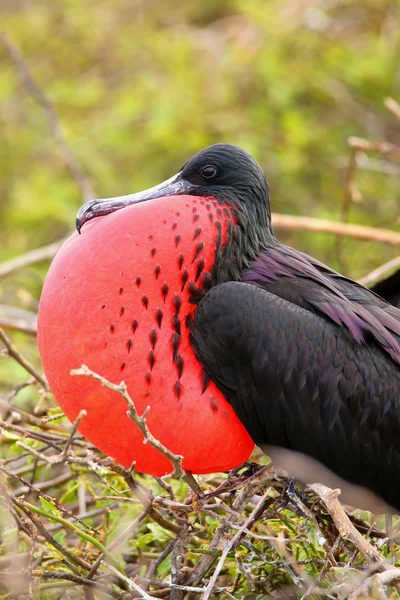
(177, 303)
(164, 290)
(176, 324)
(200, 268)
(151, 359)
(159, 317)
(178, 389)
(197, 233)
(184, 278)
(175, 343)
(179, 362)
(153, 338)
(198, 251)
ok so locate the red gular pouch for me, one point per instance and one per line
(116, 299)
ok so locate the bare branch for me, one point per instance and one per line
(141, 422)
(360, 232)
(381, 272)
(18, 319)
(378, 580)
(30, 258)
(54, 123)
(345, 527)
(393, 106)
(367, 146)
(233, 543)
(13, 353)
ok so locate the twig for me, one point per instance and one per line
(30, 258)
(344, 526)
(140, 421)
(381, 272)
(73, 431)
(79, 579)
(117, 542)
(13, 353)
(389, 577)
(54, 123)
(233, 543)
(131, 585)
(367, 146)
(393, 106)
(18, 319)
(360, 232)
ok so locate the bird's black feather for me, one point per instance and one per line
(299, 381)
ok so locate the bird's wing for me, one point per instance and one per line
(312, 285)
(298, 381)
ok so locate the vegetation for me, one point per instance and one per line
(113, 96)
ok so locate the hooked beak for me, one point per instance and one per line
(174, 186)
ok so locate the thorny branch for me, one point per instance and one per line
(12, 351)
(140, 421)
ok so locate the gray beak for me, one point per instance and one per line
(174, 186)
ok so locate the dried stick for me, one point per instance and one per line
(13, 353)
(344, 526)
(367, 146)
(393, 106)
(140, 421)
(110, 593)
(360, 232)
(30, 258)
(381, 272)
(376, 581)
(233, 543)
(17, 318)
(54, 123)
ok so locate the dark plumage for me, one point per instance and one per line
(308, 358)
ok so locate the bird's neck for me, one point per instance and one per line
(246, 238)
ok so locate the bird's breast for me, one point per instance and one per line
(117, 298)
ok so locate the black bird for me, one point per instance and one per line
(309, 359)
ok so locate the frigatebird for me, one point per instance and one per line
(308, 359)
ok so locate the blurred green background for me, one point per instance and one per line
(140, 85)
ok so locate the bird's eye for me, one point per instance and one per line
(208, 172)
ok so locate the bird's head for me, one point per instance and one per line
(221, 171)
